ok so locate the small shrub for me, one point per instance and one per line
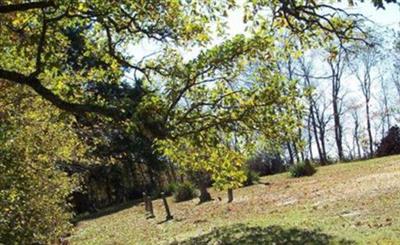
(184, 191)
(390, 144)
(170, 188)
(302, 169)
(252, 177)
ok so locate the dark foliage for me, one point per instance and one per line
(265, 164)
(302, 169)
(103, 186)
(390, 144)
(137, 167)
(252, 177)
(184, 191)
(242, 234)
(170, 188)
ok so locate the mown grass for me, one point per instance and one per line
(347, 203)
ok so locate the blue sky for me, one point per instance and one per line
(388, 18)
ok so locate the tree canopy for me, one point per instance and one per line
(36, 37)
(66, 50)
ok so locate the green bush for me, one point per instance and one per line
(302, 169)
(252, 177)
(170, 188)
(33, 190)
(184, 191)
(33, 208)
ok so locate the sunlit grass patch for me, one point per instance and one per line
(351, 202)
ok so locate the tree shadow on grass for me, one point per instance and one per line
(243, 234)
(106, 211)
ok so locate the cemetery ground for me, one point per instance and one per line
(346, 203)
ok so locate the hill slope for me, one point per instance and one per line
(344, 203)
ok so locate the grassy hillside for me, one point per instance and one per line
(344, 203)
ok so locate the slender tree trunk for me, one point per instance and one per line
(338, 128)
(168, 173)
(290, 153)
(310, 143)
(296, 152)
(152, 178)
(357, 139)
(309, 134)
(302, 149)
(337, 69)
(323, 145)
(314, 125)
(142, 173)
(371, 142)
(358, 148)
(173, 172)
(386, 117)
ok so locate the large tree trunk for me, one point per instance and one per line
(201, 180)
(204, 194)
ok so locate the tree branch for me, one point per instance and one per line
(40, 47)
(4, 9)
(47, 94)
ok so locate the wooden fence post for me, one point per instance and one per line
(151, 211)
(146, 202)
(148, 205)
(169, 216)
(230, 195)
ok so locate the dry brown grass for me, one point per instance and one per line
(359, 201)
